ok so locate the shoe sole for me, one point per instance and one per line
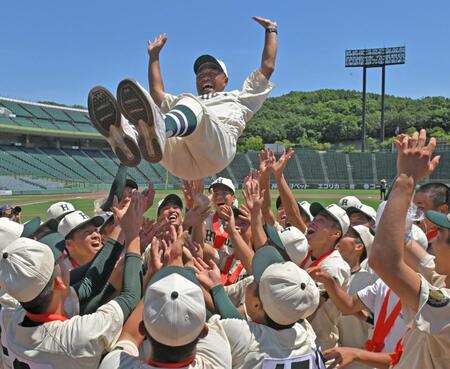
(135, 107)
(105, 117)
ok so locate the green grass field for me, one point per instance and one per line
(36, 205)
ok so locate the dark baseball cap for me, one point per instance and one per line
(170, 199)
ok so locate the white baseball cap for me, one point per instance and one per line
(26, 266)
(174, 307)
(349, 201)
(107, 215)
(365, 236)
(336, 212)
(287, 292)
(365, 209)
(290, 239)
(76, 220)
(59, 209)
(202, 59)
(305, 205)
(11, 231)
(224, 182)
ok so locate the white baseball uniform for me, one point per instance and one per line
(225, 252)
(212, 352)
(372, 297)
(426, 344)
(427, 268)
(327, 316)
(77, 343)
(256, 346)
(212, 146)
(9, 305)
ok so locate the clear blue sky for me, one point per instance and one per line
(57, 50)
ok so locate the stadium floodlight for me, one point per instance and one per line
(374, 58)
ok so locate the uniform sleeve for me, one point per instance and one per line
(338, 269)
(236, 291)
(239, 338)
(368, 296)
(427, 268)
(92, 334)
(213, 351)
(123, 356)
(254, 92)
(167, 103)
(433, 315)
(223, 304)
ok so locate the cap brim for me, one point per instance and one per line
(30, 227)
(56, 242)
(202, 59)
(187, 273)
(171, 199)
(220, 184)
(97, 221)
(317, 207)
(52, 224)
(273, 236)
(438, 218)
(263, 258)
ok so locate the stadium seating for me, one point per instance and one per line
(361, 166)
(336, 167)
(386, 165)
(311, 166)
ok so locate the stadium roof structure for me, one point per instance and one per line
(32, 118)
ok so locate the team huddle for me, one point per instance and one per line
(214, 283)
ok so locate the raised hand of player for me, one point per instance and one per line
(341, 356)
(174, 246)
(208, 275)
(279, 165)
(191, 190)
(226, 213)
(414, 157)
(132, 220)
(252, 194)
(154, 46)
(266, 159)
(149, 196)
(266, 23)
(157, 252)
(119, 208)
(320, 275)
(195, 216)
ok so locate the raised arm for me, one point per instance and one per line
(287, 196)
(155, 80)
(270, 46)
(266, 158)
(387, 253)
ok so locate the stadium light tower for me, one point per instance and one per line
(374, 58)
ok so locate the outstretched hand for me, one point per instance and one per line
(154, 46)
(279, 165)
(266, 23)
(414, 157)
(208, 275)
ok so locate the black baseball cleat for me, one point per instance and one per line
(106, 118)
(136, 104)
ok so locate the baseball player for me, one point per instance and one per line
(278, 301)
(174, 321)
(193, 137)
(383, 187)
(426, 308)
(432, 196)
(349, 201)
(362, 215)
(40, 335)
(82, 238)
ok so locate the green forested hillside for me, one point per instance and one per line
(333, 116)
